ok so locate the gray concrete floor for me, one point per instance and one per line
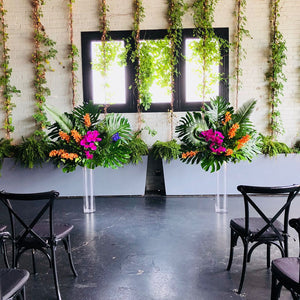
(153, 248)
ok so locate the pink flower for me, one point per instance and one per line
(88, 155)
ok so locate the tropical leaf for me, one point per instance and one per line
(61, 119)
(88, 108)
(242, 115)
(190, 127)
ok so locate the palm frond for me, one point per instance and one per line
(190, 127)
(216, 109)
(242, 114)
(87, 108)
(62, 119)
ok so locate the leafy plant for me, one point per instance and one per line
(240, 52)
(275, 75)
(218, 134)
(82, 139)
(32, 151)
(7, 90)
(272, 148)
(206, 50)
(137, 148)
(166, 150)
(6, 150)
(43, 51)
(296, 147)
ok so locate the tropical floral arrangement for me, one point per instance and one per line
(217, 134)
(81, 139)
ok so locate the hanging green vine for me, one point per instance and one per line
(7, 89)
(275, 75)
(73, 55)
(240, 52)
(142, 98)
(206, 51)
(176, 10)
(43, 51)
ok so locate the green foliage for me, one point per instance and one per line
(206, 51)
(296, 147)
(6, 150)
(137, 148)
(89, 141)
(43, 52)
(7, 89)
(218, 135)
(275, 75)
(166, 150)
(32, 151)
(271, 147)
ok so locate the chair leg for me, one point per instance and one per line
(244, 266)
(67, 244)
(5, 254)
(268, 255)
(33, 262)
(54, 268)
(276, 288)
(233, 241)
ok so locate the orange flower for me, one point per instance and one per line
(189, 154)
(227, 118)
(53, 153)
(243, 141)
(229, 152)
(64, 136)
(76, 135)
(87, 120)
(232, 130)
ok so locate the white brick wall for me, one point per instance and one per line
(120, 16)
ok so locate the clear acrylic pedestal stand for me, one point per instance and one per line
(88, 198)
(221, 196)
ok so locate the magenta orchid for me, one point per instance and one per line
(216, 139)
(88, 142)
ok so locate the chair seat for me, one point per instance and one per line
(287, 270)
(11, 281)
(42, 229)
(255, 225)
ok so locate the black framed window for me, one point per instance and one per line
(118, 89)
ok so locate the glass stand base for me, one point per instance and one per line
(88, 198)
(221, 197)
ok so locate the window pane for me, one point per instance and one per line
(108, 72)
(202, 80)
(156, 72)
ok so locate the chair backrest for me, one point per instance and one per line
(290, 192)
(295, 223)
(23, 220)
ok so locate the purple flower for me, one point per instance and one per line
(88, 155)
(115, 137)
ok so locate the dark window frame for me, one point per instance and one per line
(180, 103)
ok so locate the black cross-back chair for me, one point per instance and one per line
(39, 231)
(262, 229)
(12, 284)
(286, 271)
(4, 236)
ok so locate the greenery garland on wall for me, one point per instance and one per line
(6, 88)
(275, 75)
(74, 53)
(205, 51)
(240, 52)
(176, 10)
(43, 51)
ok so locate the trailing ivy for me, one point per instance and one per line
(176, 10)
(7, 90)
(142, 96)
(73, 55)
(205, 52)
(275, 75)
(240, 52)
(43, 51)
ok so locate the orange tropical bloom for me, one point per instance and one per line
(232, 130)
(64, 136)
(63, 154)
(76, 135)
(227, 118)
(189, 154)
(243, 141)
(87, 120)
(229, 152)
